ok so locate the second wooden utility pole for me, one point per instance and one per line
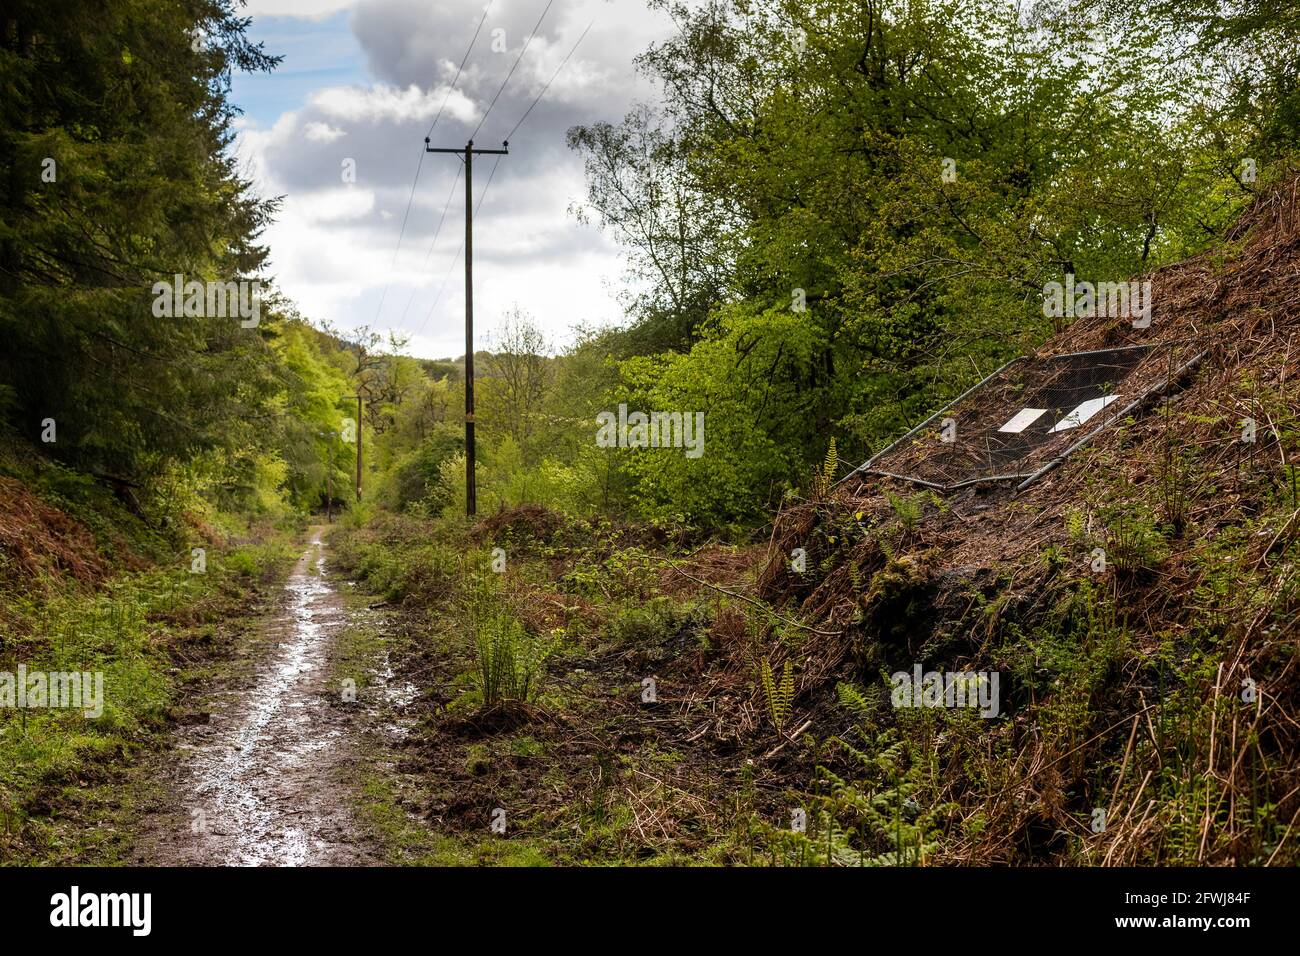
(348, 398)
(467, 155)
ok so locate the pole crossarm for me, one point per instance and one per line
(462, 150)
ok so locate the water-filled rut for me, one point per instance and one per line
(262, 775)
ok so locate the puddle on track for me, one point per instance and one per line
(265, 782)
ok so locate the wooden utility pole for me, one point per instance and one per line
(467, 157)
(329, 478)
(348, 398)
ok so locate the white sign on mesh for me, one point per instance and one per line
(1082, 412)
(1023, 419)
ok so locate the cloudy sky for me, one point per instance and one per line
(360, 85)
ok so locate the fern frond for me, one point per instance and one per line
(832, 463)
(853, 700)
(786, 695)
(779, 697)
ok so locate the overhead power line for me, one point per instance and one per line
(416, 179)
(436, 232)
(459, 69)
(447, 275)
(456, 258)
(511, 134)
(522, 51)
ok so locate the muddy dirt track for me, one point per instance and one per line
(262, 775)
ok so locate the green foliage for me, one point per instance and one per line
(879, 817)
(1075, 524)
(137, 122)
(832, 239)
(404, 562)
(854, 700)
(310, 436)
(779, 696)
(824, 479)
(122, 176)
(509, 660)
(417, 473)
(1134, 543)
(644, 624)
(746, 377)
(566, 488)
(908, 509)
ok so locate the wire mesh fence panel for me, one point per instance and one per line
(1028, 415)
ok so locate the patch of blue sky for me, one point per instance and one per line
(316, 54)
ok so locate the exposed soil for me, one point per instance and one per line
(261, 771)
(595, 769)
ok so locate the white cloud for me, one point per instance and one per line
(332, 205)
(322, 132)
(389, 104)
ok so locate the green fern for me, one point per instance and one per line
(1074, 524)
(1134, 544)
(854, 700)
(511, 662)
(779, 697)
(884, 814)
(908, 510)
(832, 463)
(824, 479)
